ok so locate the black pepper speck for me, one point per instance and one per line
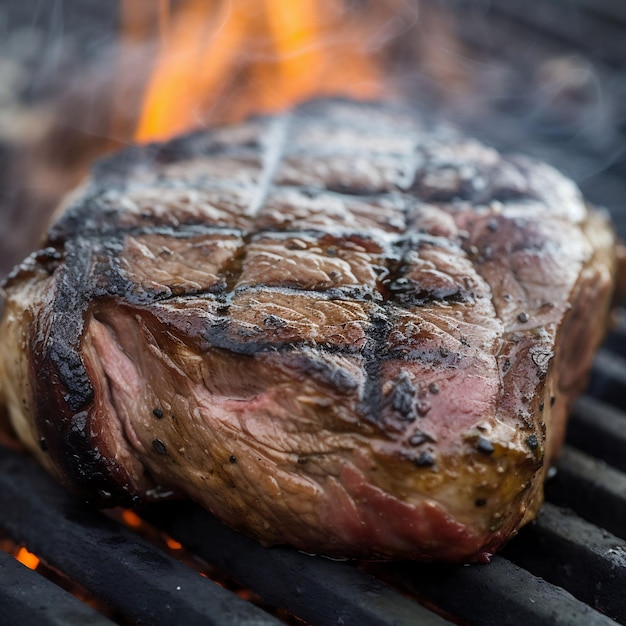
(420, 438)
(158, 413)
(43, 444)
(481, 502)
(233, 458)
(425, 459)
(484, 445)
(159, 447)
(523, 317)
(531, 442)
(433, 388)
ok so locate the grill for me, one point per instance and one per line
(567, 567)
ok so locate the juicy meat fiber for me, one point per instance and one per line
(341, 328)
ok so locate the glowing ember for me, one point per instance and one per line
(131, 518)
(27, 558)
(250, 56)
(172, 544)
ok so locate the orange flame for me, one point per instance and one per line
(27, 558)
(225, 59)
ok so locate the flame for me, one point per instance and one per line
(27, 558)
(225, 59)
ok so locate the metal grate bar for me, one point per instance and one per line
(608, 378)
(143, 582)
(28, 599)
(500, 593)
(587, 561)
(594, 490)
(599, 430)
(320, 591)
(616, 339)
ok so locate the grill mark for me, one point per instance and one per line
(273, 144)
(375, 354)
(108, 279)
(216, 335)
(372, 401)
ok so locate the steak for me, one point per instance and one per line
(342, 328)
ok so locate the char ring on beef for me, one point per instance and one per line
(340, 328)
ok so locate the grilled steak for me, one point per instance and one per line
(339, 328)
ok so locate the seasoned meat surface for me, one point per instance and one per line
(341, 328)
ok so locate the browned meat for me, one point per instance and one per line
(339, 328)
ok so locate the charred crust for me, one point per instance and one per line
(374, 354)
(76, 454)
(324, 371)
(72, 375)
(63, 392)
(403, 397)
(409, 293)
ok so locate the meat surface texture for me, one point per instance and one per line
(340, 328)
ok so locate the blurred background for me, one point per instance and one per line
(80, 78)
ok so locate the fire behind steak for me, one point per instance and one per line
(339, 328)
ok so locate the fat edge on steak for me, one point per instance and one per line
(340, 328)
